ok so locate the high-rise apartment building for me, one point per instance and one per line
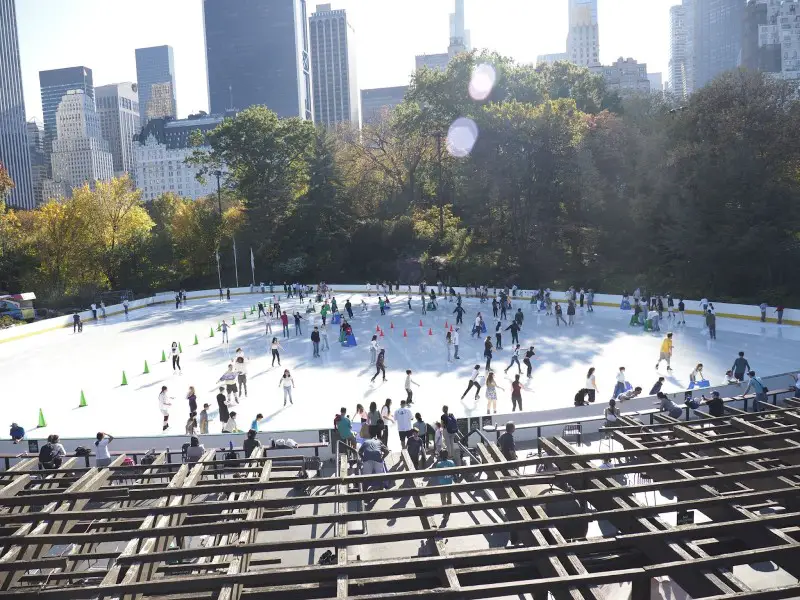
(549, 59)
(716, 37)
(379, 101)
(333, 63)
(118, 110)
(257, 52)
(13, 135)
(80, 154)
(38, 163)
(161, 152)
(625, 76)
(54, 85)
(779, 38)
(155, 74)
(681, 54)
(583, 40)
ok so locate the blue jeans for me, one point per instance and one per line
(316, 348)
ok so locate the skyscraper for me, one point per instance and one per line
(155, 72)
(376, 102)
(258, 53)
(779, 37)
(13, 134)
(333, 63)
(118, 110)
(80, 154)
(681, 55)
(38, 164)
(583, 40)
(54, 84)
(717, 37)
(459, 41)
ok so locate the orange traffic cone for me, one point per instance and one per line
(404, 333)
(377, 327)
(391, 325)
(451, 328)
(420, 322)
(430, 331)
(446, 325)
(381, 333)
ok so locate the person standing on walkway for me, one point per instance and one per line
(404, 417)
(491, 393)
(315, 338)
(527, 361)
(455, 344)
(288, 384)
(386, 417)
(102, 457)
(666, 352)
(409, 392)
(449, 430)
(591, 385)
(446, 495)
(176, 358)
(380, 365)
(202, 420)
(515, 359)
(222, 405)
(487, 352)
(516, 394)
(473, 382)
(373, 350)
(740, 367)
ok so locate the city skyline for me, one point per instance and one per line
(521, 29)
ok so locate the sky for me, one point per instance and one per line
(103, 34)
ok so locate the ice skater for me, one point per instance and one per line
(559, 315)
(373, 350)
(491, 393)
(348, 306)
(621, 383)
(666, 352)
(323, 333)
(409, 383)
(494, 307)
(477, 327)
(224, 329)
(571, 312)
(498, 335)
(288, 384)
(268, 324)
(448, 341)
(126, 307)
(459, 312)
(297, 319)
(163, 405)
(516, 394)
(315, 339)
(473, 382)
(514, 328)
(682, 312)
(364, 307)
(456, 338)
(229, 379)
(240, 366)
(76, 322)
(285, 323)
(176, 358)
(529, 354)
(276, 348)
(514, 359)
(380, 365)
(261, 310)
(487, 352)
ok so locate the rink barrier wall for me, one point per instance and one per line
(723, 310)
(223, 440)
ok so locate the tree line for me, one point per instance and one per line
(565, 184)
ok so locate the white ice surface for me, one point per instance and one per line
(49, 370)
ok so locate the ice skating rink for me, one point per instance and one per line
(49, 371)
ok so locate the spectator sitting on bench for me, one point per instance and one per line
(611, 414)
(195, 450)
(51, 454)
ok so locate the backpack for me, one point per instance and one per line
(47, 454)
(451, 425)
(82, 451)
(149, 458)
